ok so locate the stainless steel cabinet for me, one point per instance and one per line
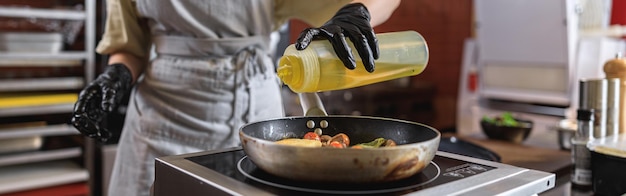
(25, 164)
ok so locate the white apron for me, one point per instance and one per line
(213, 74)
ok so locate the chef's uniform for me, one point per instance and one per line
(212, 73)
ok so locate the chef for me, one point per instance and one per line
(212, 72)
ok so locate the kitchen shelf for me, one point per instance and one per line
(10, 100)
(47, 94)
(37, 110)
(75, 55)
(50, 130)
(24, 12)
(41, 174)
(39, 156)
(41, 84)
(5, 62)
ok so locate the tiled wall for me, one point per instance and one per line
(445, 24)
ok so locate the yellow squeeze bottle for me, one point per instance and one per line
(317, 68)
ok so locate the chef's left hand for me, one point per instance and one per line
(98, 99)
(353, 21)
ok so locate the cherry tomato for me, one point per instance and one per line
(357, 147)
(311, 136)
(336, 144)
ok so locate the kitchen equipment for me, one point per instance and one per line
(20, 144)
(317, 68)
(592, 97)
(591, 118)
(515, 134)
(234, 172)
(566, 131)
(616, 68)
(581, 172)
(230, 172)
(612, 106)
(417, 144)
(31, 42)
(458, 146)
(526, 57)
(608, 160)
(12, 143)
(530, 64)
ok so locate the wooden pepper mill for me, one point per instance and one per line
(616, 68)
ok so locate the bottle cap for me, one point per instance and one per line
(299, 69)
(615, 68)
(585, 114)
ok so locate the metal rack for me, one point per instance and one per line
(40, 168)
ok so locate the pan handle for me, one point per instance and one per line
(312, 104)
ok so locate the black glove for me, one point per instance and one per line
(352, 20)
(98, 99)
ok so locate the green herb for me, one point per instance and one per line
(506, 119)
(489, 120)
(373, 144)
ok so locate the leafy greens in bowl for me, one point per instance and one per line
(506, 127)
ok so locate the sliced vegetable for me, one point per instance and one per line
(341, 138)
(389, 143)
(357, 147)
(373, 144)
(336, 144)
(325, 138)
(300, 142)
(311, 136)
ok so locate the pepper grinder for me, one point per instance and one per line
(616, 68)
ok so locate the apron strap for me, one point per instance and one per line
(189, 46)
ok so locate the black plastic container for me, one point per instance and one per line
(608, 165)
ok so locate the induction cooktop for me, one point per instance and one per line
(230, 172)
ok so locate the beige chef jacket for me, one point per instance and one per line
(126, 31)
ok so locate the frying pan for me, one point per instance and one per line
(417, 145)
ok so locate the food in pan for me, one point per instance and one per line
(312, 139)
(300, 142)
(378, 142)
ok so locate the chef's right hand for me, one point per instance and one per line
(99, 98)
(352, 21)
